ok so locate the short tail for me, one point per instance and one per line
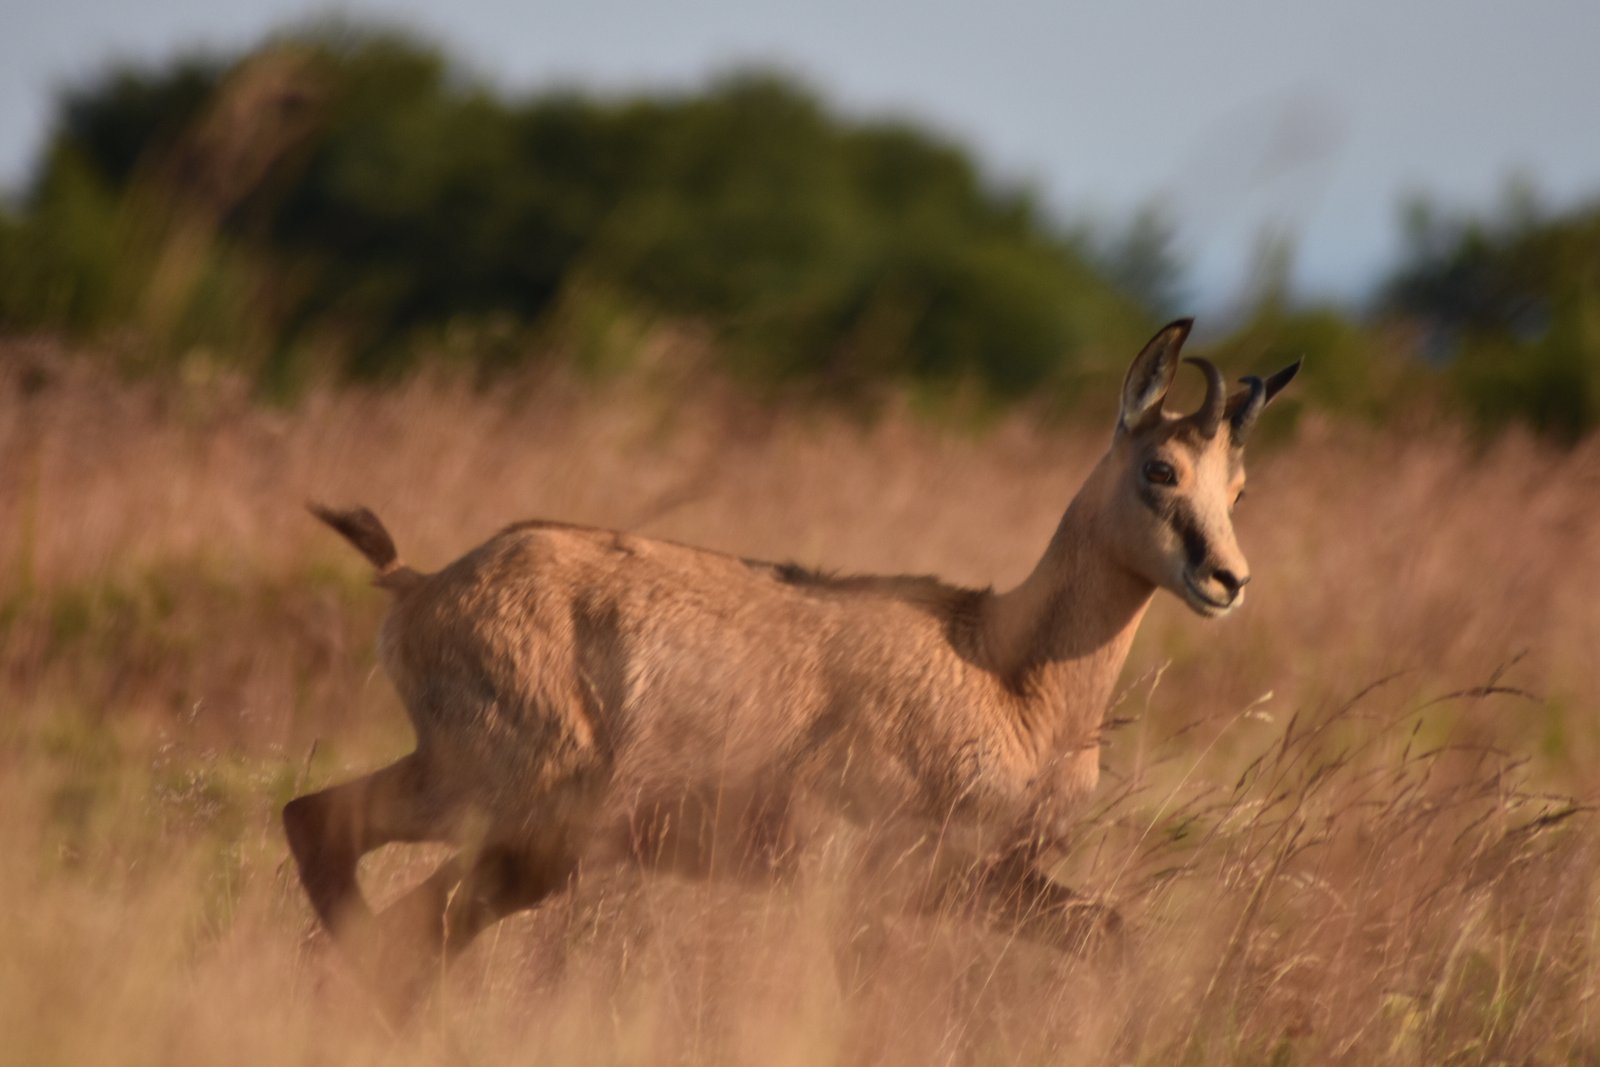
(361, 528)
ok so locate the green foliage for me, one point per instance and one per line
(1347, 367)
(56, 259)
(128, 117)
(347, 201)
(350, 192)
(1512, 304)
(113, 240)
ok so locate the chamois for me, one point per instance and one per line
(584, 697)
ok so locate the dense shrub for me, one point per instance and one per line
(353, 193)
(349, 201)
(1511, 308)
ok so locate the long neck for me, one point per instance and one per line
(1061, 637)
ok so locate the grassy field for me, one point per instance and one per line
(1350, 823)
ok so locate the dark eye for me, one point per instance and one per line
(1157, 472)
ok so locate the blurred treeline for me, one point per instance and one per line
(346, 201)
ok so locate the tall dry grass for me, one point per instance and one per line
(1350, 823)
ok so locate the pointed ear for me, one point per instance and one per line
(1151, 376)
(1276, 382)
(1246, 404)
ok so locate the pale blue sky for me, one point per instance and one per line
(1237, 114)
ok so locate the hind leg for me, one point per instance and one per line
(470, 893)
(437, 920)
(330, 831)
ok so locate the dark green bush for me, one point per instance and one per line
(1510, 306)
(351, 192)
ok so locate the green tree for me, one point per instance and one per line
(1511, 306)
(352, 191)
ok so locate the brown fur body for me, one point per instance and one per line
(583, 697)
(616, 675)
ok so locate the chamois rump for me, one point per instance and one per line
(584, 698)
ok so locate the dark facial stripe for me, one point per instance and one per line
(1156, 501)
(1188, 530)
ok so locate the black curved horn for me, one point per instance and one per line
(1209, 417)
(1245, 415)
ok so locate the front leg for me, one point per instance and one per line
(1007, 892)
(1013, 891)
(1015, 896)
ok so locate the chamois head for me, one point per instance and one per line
(1174, 479)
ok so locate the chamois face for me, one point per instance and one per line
(1174, 480)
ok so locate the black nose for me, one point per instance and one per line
(1230, 581)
